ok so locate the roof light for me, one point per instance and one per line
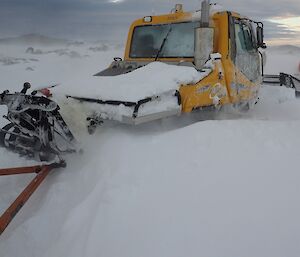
(178, 8)
(148, 19)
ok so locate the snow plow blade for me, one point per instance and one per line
(42, 172)
(142, 111)
(284, 79)
(150, 117)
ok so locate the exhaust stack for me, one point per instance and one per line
(204, 37)
(205, 14)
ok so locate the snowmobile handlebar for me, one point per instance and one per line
(19, 102)
(24, 90)
(2, 95)
(26, 86)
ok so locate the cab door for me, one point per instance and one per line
(247, 61)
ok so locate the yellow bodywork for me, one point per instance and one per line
(216, 88)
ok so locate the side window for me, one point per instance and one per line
(248, 38)
(244, 39)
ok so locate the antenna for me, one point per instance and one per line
(205, 13)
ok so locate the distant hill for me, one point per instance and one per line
(34, 39)
(285, 49)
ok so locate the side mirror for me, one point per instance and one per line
(260, 37)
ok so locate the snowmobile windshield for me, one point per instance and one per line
(179, 40)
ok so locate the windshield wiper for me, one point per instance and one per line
(163, 43)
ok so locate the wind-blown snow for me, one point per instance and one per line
(177, 187)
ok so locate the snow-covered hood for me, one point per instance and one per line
(152, 79)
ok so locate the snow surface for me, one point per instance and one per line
(228, 186)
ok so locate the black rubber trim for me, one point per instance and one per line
(98, 101)
(177, 94)
(138, 105)
(262, 62)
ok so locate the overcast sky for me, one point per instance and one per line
(109, 19)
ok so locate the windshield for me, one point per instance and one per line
(147, 40)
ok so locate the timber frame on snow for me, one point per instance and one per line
(42, 172)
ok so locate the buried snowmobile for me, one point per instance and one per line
(35, 126)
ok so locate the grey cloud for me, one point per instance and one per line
(98, 19)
